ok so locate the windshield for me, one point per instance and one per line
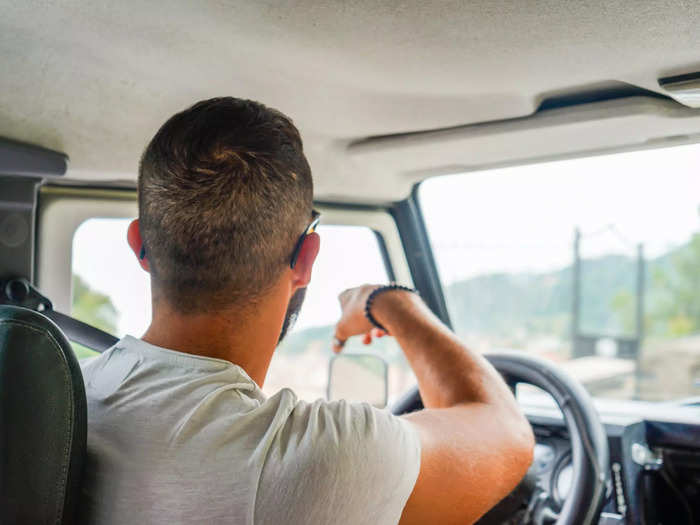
(593, 263)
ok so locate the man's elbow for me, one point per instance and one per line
(522, 445)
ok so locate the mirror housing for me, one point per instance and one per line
(359, 377)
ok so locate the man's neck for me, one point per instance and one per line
(245, 337)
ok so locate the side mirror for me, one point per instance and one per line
(359, 377)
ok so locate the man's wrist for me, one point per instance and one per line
(380, 290)
(392, 308)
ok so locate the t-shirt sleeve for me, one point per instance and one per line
(338, 462)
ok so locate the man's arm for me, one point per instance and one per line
(475, 443)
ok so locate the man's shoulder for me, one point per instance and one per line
(339, 462)
(337, 427)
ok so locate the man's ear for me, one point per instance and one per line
(133, 237)
(301, 273)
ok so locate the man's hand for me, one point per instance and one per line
(352, 319)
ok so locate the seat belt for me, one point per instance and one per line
(20, 292)
(82, 333)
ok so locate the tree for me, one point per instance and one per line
(623, 305)
(678, 286)
(93, 308)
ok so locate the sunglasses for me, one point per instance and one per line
(311, 228)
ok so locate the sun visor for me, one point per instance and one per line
(581, 130)
(26, 160)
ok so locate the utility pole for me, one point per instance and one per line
(576, 294)
(641, 282)
(641, 270)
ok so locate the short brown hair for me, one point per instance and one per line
(224, 193)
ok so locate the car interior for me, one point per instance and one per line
(531, 168)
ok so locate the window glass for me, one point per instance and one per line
(349, 256)
(593, 263)
(105, 272)
(112, 292)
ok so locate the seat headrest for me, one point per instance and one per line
(42, 420)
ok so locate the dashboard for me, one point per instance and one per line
(553, 468)
(654, 462)
(654, 452)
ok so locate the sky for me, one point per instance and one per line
(507, 220)
(523, 218)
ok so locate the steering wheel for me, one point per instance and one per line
(590, 455)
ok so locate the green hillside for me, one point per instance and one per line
(540, 304)
(534, 304)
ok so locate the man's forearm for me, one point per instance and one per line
(475, 443)
(448, 372)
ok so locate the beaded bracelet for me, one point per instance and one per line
(374, 294)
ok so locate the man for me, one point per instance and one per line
(179, 430)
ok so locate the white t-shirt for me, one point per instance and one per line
(175, 438)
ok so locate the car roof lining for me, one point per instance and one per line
(599, 127)
(96, 80)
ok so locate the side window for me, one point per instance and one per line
(111, 291)
(349, 256)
